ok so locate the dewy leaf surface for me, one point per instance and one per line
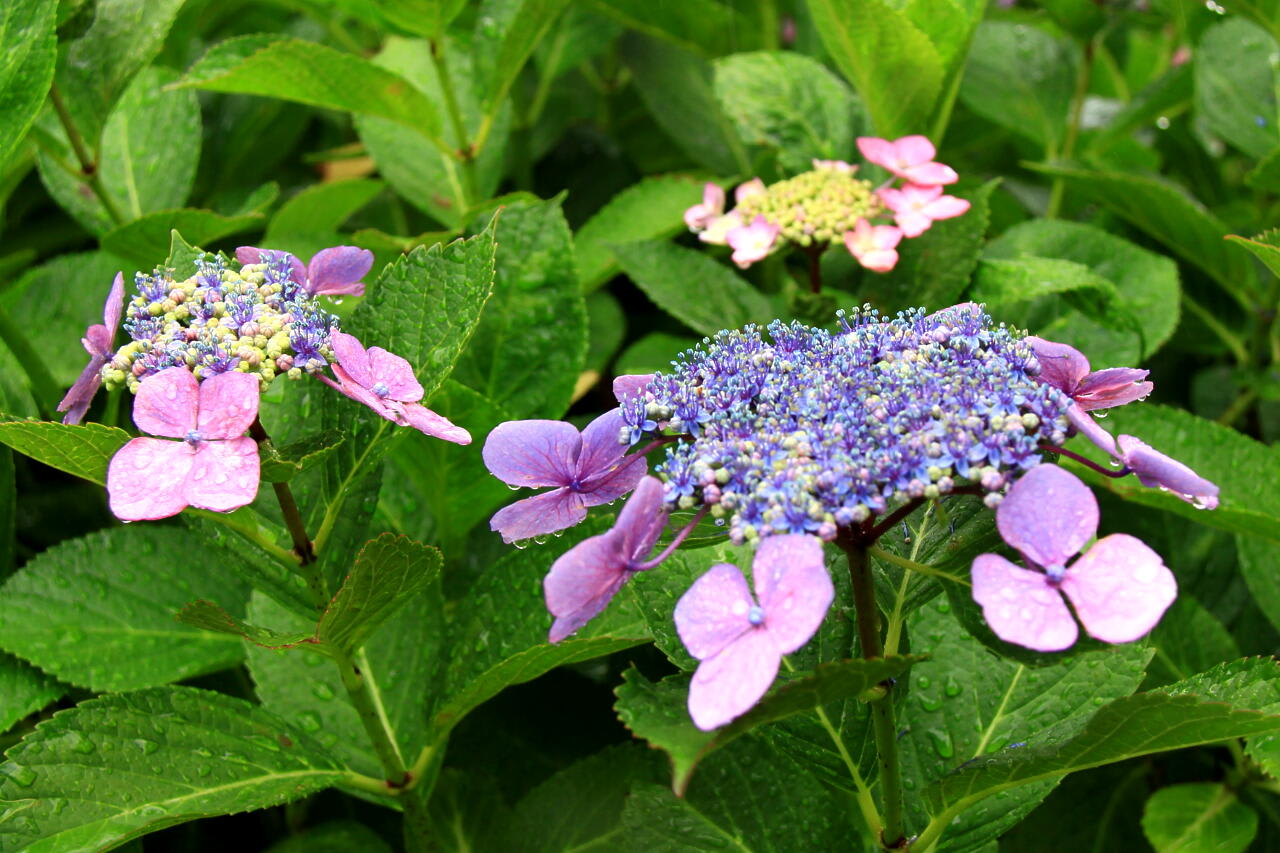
(119, 766)
(99, 611)
(1021, 77)
(23, 690)
(1203, 816)
(83, 450)
(28, 51)
(1235, 85)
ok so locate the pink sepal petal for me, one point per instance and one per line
(582, 582)
(878, 151)
(394, 372)
(427, 422)
(166, 403)
(1090, 428)
(1114, 386)
(254, 255)
(532, 453)
(728, 685)
(929, 174)
(793, 586)
(1061, 366)
(147, 478)
(1021, 606)
(631, 385)
(1157, 470)
(348, 385)
(1120, 588)
(224, 474)
(914, 150)
(947, 207)
(712, 613)
(747, 189)
(351, 355)
(1048, 515)
(642, 519)
(100, 336)
(337, 271)
(80, 395)
(539, 515)
(228, 404)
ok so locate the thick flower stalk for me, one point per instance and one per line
(805, 436)
(831, 204)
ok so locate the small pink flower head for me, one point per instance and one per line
(747, 189)
(97, 341)
(910, 157)
(1120, 588)
(385, 383)
(875, 246)
(835, 166)
(741, 643)
(1067, 369)
(1156, 470)
(585, 578)
(701, 215)
(336, 271)
(915, 208)
(215, 466)
(717, 230)
(585, 468)
(753, 242)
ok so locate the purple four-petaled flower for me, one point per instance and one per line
(97, 342)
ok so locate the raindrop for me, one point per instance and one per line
(23, 776)
(923, 682)
(147, 746)
(952, 688)
(79, 743)
(309, 721)
(941, 743)
(321, 690)
(203, 770)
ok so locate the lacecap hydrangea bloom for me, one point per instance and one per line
(832, 204)
(257, 323)
(805, 435)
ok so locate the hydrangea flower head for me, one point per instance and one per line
(213, 465)
(817, 206)
(257, 320)
(807, 431)
(1119, 588)
(587, 576)
(585, 468)
(97, 341)
(336, 271)
(384, 382)
(739, 642)
(910, 158)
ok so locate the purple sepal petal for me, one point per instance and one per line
(630, 385)
(642, 519)
(1157, 470)
(532, 453)
(582, 582)
(1120, 588)
(78, 398)
(97, 341)
(1091, 429)
(1020, 606)
(1114, 386)
(338, 271)
(427, 422)
(539, 515)
(712, 613)
(1048, 515)
(793, 586)
(729, 684)
(1061, 366)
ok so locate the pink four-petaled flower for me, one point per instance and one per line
(741, 643)
(97, 341)
(875, 246)
(1119, 588)
(701, 215)
(214, 466)
(752, 242)
(384, 382)
(915, 208)
(910, 157)
(334, 271)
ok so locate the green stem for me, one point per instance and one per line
(1238, 406)
(893, 634)
(1073, 129)
(43, 386)
(892, 836)
(881, 554)
(466, 153)
(88, 166)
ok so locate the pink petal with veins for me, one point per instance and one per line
(228, 404)
(1048, 515)
(1021, 606)
(147, 479)
(224, 474)
(729, 684)
(1120, 588)
(166, 403)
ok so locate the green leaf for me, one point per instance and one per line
(1021, 78)
(1002, 282)
(656, 711)
(580, 808)
(949, 24)
(965, 704)
(1201, 817)
(606, 330)
(692, 287)
(388, 572)
(1145, 284)
(498, 634)
(1189, 639)
(422, 171)
(505, 37)
(1168, 214)
(283, 464)
(652, 209)
(1258, 560)
(150, 148)
(709, 27)
(335, 836)
(1125, 728)
(147, 238)
(117, 767)
(96, 67)
(1235, 85)
(676, 84)
(531, 341)
(748, 797)
(788, 102)
(893, 66)
(1265, 247)
(319, 210)
(99, 611)
(470, 812)
(652, 353)
(83, 450)
(1240, 466)
(28, 52)
(62, 297)
(312, 74)
(934, 268)
(208, 616)
(426, 305)
(182, 255)
(24, 690)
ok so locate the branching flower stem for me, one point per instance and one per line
(88, 165)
